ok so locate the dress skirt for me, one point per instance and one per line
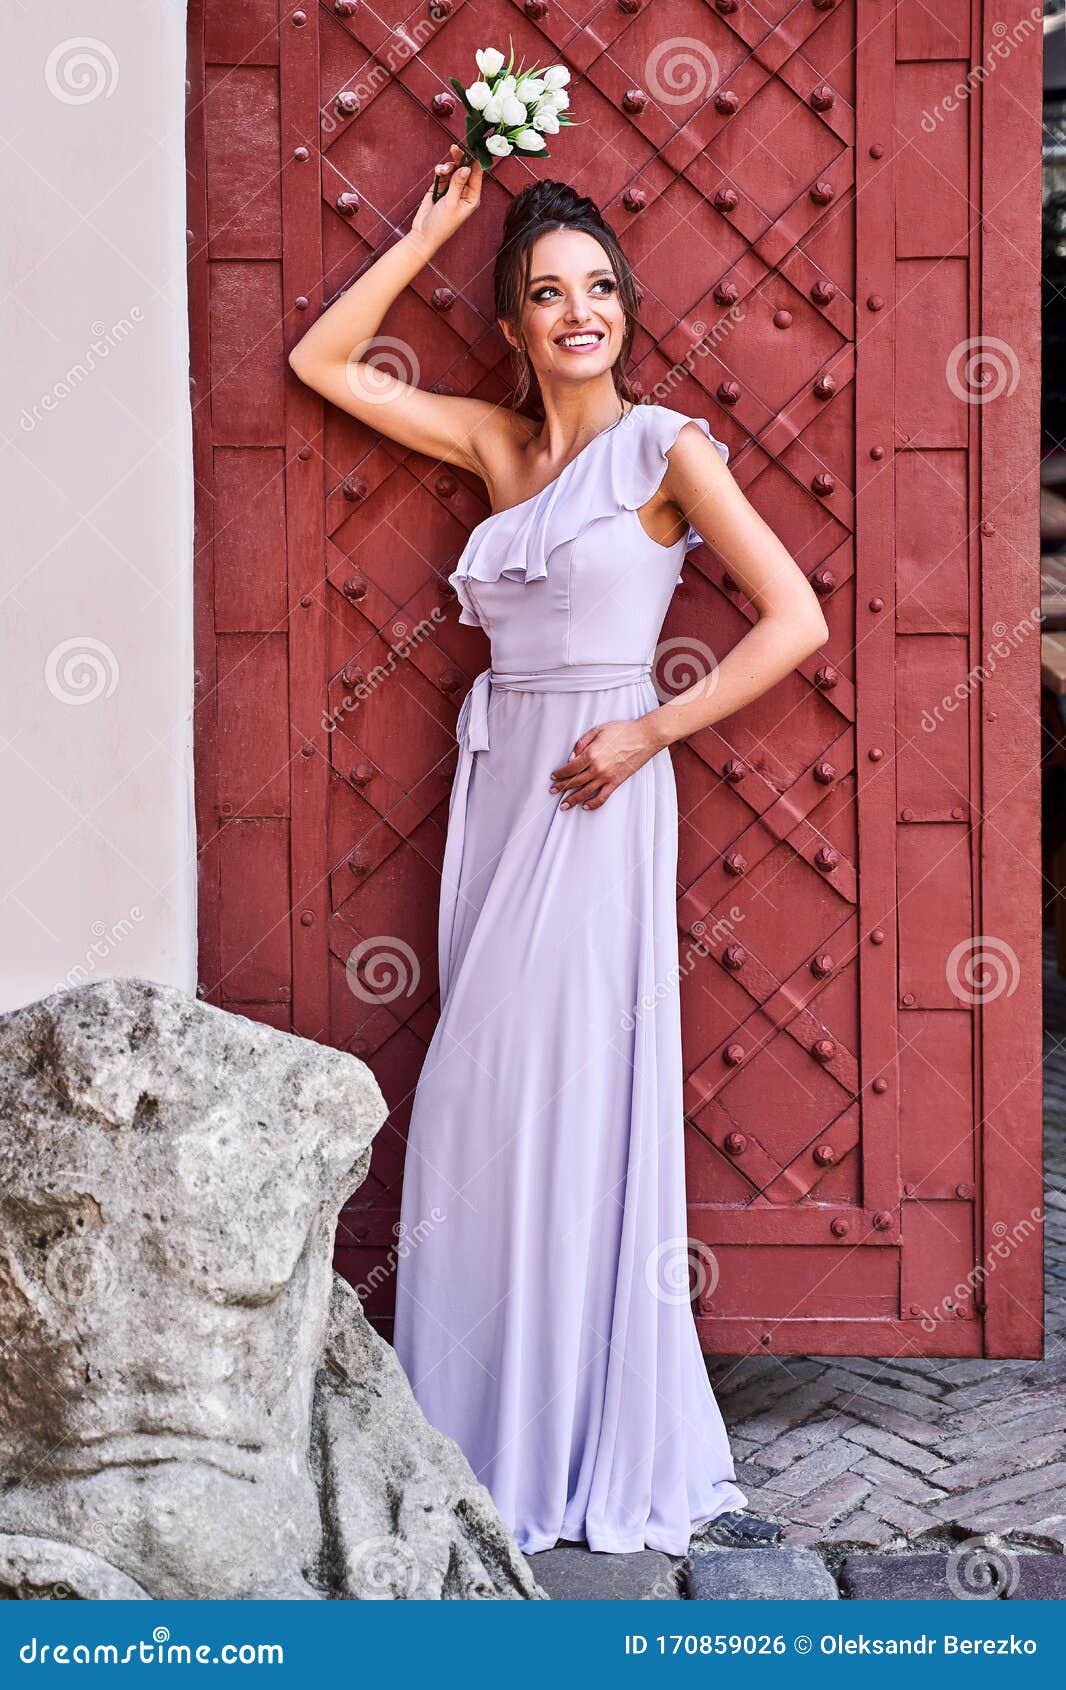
(543, 1308)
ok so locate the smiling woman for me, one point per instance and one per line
(544, 1317)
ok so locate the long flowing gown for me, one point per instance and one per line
(542, 1299)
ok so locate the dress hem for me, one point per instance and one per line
(729, 1505)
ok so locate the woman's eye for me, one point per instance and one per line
(543, 295)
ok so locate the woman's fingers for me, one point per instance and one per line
(445, 168)
(574, 764)
(576, 769)
(467, 188)
(581, 794)
(471, 175)
(580, 784)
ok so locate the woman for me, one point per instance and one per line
(543, 1307)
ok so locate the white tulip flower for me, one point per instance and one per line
(489, 60)
(519, 106)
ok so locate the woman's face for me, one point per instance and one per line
(572, 323)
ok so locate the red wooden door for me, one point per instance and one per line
(834, 209)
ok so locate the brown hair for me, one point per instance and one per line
(538, 209)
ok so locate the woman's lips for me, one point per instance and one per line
(589, 346)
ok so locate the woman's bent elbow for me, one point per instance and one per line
(300, 365)
(817, 634)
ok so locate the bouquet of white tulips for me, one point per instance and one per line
(509, 109)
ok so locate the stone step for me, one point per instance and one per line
(789, 1573)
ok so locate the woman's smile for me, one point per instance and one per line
(580, 340)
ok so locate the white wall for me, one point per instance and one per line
(97, 850)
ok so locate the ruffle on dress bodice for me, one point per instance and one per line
(619, 469)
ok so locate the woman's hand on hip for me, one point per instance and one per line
(602, 759)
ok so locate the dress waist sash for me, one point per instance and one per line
(472, 728)
(472, 732)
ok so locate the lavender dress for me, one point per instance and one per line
(542, 1306)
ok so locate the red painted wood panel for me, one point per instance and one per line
(936, 1094)
(858, 903)
(248, 515)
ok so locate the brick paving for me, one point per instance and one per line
(871, 1454)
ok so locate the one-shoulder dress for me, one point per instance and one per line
(543, 1311)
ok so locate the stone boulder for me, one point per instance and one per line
(192, 1403)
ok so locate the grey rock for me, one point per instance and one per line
(191, 1398)
(1049, 1534)
(578, 1574)
(953, 1576)
(406, 1518)
(36, 1569)
(1040, 1578)
(739, 1530)
(756, 1575)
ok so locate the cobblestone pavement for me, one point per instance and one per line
(859, 1457)
(879, 1454)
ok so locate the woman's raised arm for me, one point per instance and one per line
(329, 356)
